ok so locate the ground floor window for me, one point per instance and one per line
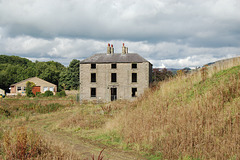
(134, 92)
(51, 89)
(19, 88)
(93, 92)
(45, 89)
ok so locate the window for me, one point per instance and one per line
(24, 88)
(114, 66)
(93, 66)
(134, 92)
(45, 89)
(114, 77)
(93, 92)
(93, 77)
(134, 65)
(19, 88)
(134, 77)
(51, 89)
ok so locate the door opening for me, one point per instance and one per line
(113, 94)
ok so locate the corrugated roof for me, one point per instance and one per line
(114, 58)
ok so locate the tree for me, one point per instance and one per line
(29, 86)
(161, 75)
(69, 78)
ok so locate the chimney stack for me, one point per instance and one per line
(112, 49)
(124, 50)
(108, 49)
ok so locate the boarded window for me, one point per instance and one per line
(114, 66)
(134, 92)
(134, 77)
(93, 66)
(93, 92)
(114, 77)
(134, 65)
(93, 77)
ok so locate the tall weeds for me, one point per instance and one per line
(196, 115)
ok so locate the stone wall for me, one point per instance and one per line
(103, 82)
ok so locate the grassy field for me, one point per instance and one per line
(193, 116)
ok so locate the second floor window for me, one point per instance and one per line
(114, 66)
(113, 77)
(134, 65)
(93, 66)
(93, 77)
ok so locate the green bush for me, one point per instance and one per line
(48, 94)
(61, 94)
(39, 94)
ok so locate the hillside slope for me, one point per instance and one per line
(190, 116)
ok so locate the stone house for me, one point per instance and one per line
(41, 86)
(2, 92)
(111, 76)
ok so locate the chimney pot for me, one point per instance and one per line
(112, 49)
(123, 44)
(109, 44)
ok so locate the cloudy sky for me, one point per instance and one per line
(170, 33)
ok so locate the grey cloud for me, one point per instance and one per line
(168, 32)
(154, 21)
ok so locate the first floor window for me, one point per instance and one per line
(134, 77)
(45, 89)
(114, 77)
(19, 88)
(93, 77)
(93, 92)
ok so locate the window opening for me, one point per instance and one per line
(134, 92)
(134, 77)
(93, 77)
(114, 77)
(114, 66)
(134, 65)
(93, 92)
(93, 66)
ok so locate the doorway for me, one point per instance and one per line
(113, 94)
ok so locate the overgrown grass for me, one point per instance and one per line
(21, 108)
(188, 117)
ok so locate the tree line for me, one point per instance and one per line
(14, 69)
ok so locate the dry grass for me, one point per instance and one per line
(196, 115)
(20, 143)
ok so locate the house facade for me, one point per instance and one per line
(2, 92)
(41, 86)
(111, 76)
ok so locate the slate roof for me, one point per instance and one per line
(115, 58)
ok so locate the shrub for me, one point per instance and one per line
(48, 94)
(61, 94)
(38, 94)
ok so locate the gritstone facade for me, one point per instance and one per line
(111, 76)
